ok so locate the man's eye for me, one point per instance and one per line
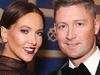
(80, 24)
(40, 33)
(62, 27)
(24, 31)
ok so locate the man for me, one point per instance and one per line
(76, 28)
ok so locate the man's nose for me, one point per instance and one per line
(70, 34)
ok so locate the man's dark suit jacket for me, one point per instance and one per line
(57, 71)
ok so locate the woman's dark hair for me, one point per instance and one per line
(17, 10)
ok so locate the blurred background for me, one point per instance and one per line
(49, 56)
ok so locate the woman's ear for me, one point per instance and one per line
(4, 34)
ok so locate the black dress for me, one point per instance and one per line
(10, 66)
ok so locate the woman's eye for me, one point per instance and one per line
(24, 31)
(40, 33)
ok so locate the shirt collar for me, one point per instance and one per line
(92, 62)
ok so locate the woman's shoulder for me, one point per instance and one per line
(4, 72)
(7, 72)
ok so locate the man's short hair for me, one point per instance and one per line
(88, 4)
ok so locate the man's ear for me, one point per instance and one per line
(4, 34)
(97, 25)
(55, 27)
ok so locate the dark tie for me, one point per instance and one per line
(81, 70)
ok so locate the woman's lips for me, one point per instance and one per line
(29, 50)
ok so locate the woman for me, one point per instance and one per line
(21, 32)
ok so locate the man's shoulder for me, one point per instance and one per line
(54, 72)
(58, 71)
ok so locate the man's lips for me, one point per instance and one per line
(72, 44)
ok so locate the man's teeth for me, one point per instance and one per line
(28, 49)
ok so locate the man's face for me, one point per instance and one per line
(75, 31)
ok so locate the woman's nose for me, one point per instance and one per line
(33, 39)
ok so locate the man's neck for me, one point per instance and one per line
(82, 59)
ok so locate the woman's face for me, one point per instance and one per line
(24, 38)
